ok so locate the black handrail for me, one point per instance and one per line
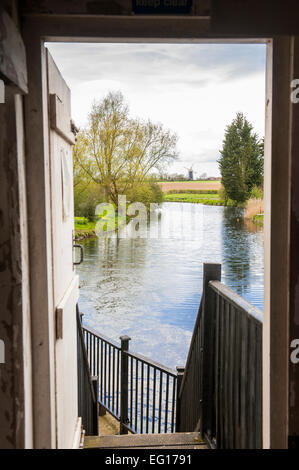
(152, 396)
(104, 360)
(137, 391)
(87, 386)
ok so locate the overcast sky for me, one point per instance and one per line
(194, 90)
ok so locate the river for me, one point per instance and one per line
(150, 288)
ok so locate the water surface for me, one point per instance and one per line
(150, 288)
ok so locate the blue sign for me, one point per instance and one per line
(162, 7)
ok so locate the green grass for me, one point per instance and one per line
(82, 223)
(258, 219)
(202, 198)
(191, 196)
(85, 228)
(191, 181)
(192, 191)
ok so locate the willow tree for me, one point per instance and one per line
(118, 152)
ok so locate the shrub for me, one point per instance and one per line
(86, 199)
(256, 193)
(81, 220)
(146, 192)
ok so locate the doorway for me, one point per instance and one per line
(47, 30)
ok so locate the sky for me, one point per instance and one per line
(194, 90)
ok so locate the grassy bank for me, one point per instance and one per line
(258, 219)
(190, 181)
(85, 228)
(211, 198)
(203, 192)
(254, 210)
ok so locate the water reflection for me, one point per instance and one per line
(242, 256)
(150, 288)
(235, 248)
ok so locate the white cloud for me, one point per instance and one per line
(195, 90)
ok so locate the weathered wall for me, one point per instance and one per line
(12, 53)
(14, 289)
(15, 373)
(10, 283)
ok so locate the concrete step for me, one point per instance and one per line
(179, 440)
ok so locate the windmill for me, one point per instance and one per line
(190, 172)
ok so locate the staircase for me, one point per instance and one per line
(214, 402)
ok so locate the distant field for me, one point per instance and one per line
(187, 185)
(207, 199)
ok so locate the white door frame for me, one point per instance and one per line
(39, 29)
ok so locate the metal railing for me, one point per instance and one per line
(137, 391)
(152, 395)
(104, 362)
(87, 387)
(221, 390)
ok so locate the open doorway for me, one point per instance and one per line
(186, 136)
(151, 287)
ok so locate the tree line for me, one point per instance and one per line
(116, 154)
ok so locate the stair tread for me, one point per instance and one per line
(191, 440)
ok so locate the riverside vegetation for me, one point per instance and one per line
(116, 155)
(211, 197)
(242, 165)
(217, 198)
(242, 172)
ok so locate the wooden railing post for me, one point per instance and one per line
(180, 375)
(124, 378)
(212, 272)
